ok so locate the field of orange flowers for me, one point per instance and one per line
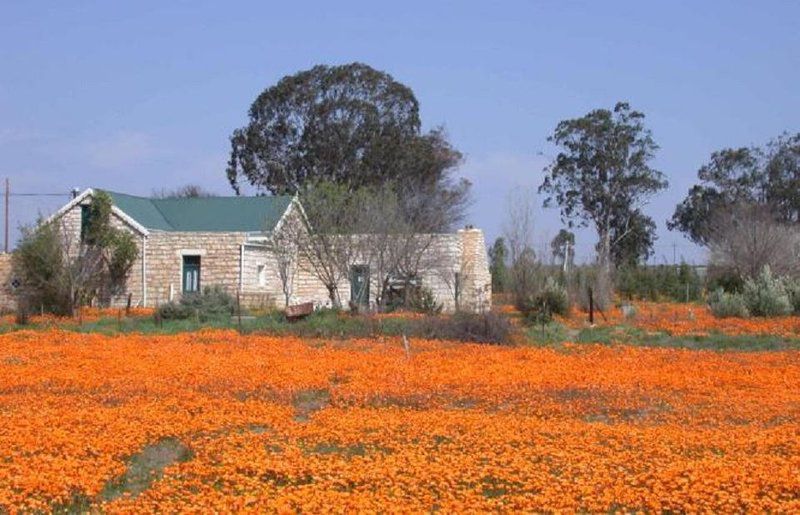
(281, 424)
(680, 319)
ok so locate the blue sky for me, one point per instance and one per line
(141, 96)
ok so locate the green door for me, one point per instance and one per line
(359, 285)
(191, 274)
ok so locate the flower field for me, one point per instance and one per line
(217, 421)
(688, 319)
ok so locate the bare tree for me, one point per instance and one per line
(324, 235)
(519, 225)
(395, 248)
(186, 191)
(746, 237)
(284, 251)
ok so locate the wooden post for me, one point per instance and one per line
(128, 304)
(591, 307)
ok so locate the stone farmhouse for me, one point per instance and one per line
(186, 244)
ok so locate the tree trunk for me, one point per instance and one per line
(333, 295)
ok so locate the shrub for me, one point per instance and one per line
(23, 313)
(424, 301)
(725, 278)
(725, 305)
(793, 291)
(765, 295)
(212, 303)
(61, 272)
(551, 299)
(466, 327)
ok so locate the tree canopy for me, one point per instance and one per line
(562, 246)
(350, 125)
(602, 173)
(768, 177)
(633, 236)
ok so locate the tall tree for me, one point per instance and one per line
(602, 172)
(350, 125)
(498, 267)
(768, 177)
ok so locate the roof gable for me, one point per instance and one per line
(204, 214)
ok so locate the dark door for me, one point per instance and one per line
(191, 274)
(359, 285)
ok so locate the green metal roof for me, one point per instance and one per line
(204, 214)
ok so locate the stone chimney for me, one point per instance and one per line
(475, 276)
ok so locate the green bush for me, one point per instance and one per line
(466, 327)
(424, 301)
(551, 299)
(212, 303)
(793, 291)
(725, 305)
(766, 296)
(725, 278)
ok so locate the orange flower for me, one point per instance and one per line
(277, 424)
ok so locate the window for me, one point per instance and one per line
(262, 275)
(191, 274)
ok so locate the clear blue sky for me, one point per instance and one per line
(142, 96)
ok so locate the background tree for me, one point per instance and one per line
(768, 176)
(61, 271)
(353, 126)
(632, 236)
(562, 247)
(602, 172)
(186, 191)
(498, 267)
(746, 237)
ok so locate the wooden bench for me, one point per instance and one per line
(298, 311)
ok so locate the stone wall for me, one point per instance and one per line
(8, 301)
(220, 253)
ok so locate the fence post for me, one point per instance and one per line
(239, 308)
(591, 307)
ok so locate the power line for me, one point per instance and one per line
(39, 194)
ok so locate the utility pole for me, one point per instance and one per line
(8, 194)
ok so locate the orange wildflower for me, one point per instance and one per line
(276, 424)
